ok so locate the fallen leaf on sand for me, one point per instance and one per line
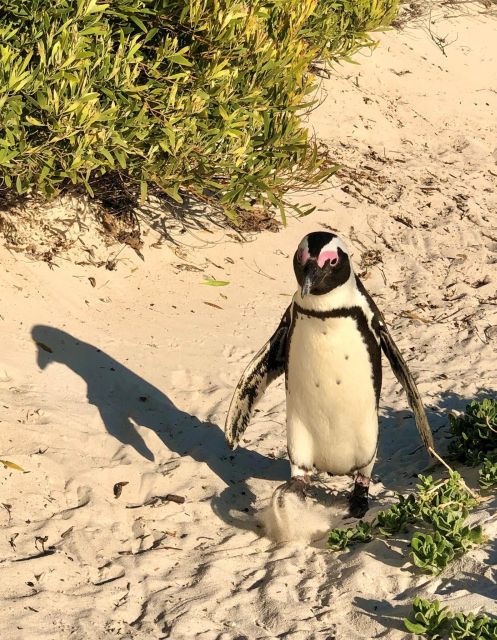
(187, 267)
(118, 488)
(11, 465)
(414, 316)
(155, 500)
(216, 283)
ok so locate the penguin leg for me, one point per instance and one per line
(358, 500)
(297, 472)
(299, 481)
(300, 454)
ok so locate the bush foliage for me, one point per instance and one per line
(475, 439)
(438, 511)
(197, 96)
(438, 623)
(474, 432)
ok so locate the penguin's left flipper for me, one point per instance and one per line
(401, 371)
(267, 365)
(405, 378)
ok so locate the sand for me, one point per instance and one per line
(125, 376)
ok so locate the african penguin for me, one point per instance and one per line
(329, 345)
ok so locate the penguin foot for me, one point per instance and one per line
(291, 517)
(297, 485)
(358, 500)
(358, 506)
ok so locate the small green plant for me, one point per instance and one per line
(431, 553)
(451, 491)
(442, 506)
(488, 473)
(473, 626)
(398, 516)
(339, 539)
(450, 525)
(475, 439)
(431, 620)
(475, 432)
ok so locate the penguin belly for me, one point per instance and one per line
(332, 419)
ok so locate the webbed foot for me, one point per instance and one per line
(297, 485)
(358, 499)
(358, 506)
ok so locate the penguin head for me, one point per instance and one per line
(321, 263)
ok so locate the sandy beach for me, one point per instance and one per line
(115, 383)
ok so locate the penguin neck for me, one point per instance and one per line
(343, 296)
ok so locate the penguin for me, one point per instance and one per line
(328, 345)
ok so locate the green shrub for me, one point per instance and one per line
(443, 505)
(432, 621)
(475, 439)
(398, 516)
(488, 473)
(432, 553)
(195, 96)
(475, 432)
(429, 618)
(339, 539)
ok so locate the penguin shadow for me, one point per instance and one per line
(124, 399)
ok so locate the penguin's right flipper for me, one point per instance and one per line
(267, 365)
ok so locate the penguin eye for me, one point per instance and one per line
(300, 255)
(334, 262)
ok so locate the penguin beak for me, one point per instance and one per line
(310, 271)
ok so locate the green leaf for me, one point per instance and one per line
(121, 158)
(179, 59)
(414, 627)
(216, 283)
(139, 23)
(35, 121)
(11, 465)
(173, 192)
(108, 156)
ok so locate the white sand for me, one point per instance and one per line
(417, 131)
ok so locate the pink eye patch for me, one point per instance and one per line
(324, 256)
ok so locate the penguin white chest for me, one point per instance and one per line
(332, 421)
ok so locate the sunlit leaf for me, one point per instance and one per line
(11, 465)
(216, 283)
